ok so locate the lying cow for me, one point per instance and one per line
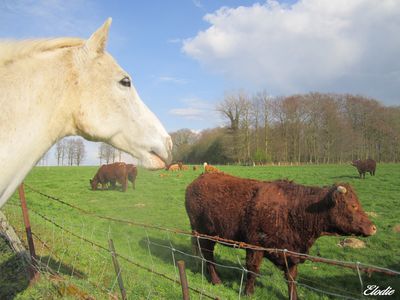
(278, 214)
(363, 166)
(112, 173)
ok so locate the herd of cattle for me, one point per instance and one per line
(276, 214)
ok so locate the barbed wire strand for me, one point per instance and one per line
(102, 247)
(236, 244)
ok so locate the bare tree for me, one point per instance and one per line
(60, 151)
(233, 108)
(107, 153)
(79, 151)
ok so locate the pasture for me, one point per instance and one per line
(159, 201)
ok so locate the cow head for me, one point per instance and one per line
(93, 184)
(346, 216)
(355, 163)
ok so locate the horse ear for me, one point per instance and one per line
(97, 41)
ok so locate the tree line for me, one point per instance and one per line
(70, 151)
(301, 128)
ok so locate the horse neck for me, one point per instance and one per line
(34, 117)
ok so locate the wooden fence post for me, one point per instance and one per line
(33, 274)
(117, 269)
(184, 283)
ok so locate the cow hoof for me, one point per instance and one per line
(216, 281)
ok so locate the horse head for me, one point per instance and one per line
(109, 108)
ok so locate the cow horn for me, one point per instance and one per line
(341, 189)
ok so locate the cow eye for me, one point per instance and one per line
(125, 81)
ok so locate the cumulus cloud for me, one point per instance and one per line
(311, 45)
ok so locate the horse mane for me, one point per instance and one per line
(13, 50)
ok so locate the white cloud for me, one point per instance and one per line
(49, 18)
(195, 109)
(171, 79)
(188, 112)
(197, 3)
(312, 45)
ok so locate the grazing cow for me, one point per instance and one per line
(363, 166)
(277, 214)
(112, 173)
(132, 173)
(210, 169)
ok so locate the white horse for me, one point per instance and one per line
(54, 88)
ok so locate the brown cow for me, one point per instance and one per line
(277, 214)
(112, 173)
(363, 166)
(132, 173)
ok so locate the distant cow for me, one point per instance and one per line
(174, 167)
(210, 169)
(132, 173)
(278, 214)
(112, 173)
(363, 166)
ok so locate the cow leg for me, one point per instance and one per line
(124, 184)
(253, 263)
(113, 184)
(290, 276)
(207, 250)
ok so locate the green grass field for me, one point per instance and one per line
(160, 201)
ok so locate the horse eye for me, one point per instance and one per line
(125, 81)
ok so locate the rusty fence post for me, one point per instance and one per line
(117, 269)
(184, 282)
(33, 274)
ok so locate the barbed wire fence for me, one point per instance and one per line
(74, 256)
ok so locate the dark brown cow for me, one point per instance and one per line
(112, 173)
(363, 166)
(132, 173)
(278, 214)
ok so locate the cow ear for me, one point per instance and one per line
(337, 192)
(96, 44)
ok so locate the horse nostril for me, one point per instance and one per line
(373, 228)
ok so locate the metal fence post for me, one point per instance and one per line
(184, 282)
(33, 274)
(117, 269)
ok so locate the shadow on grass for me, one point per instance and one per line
(13, 276)
(345, 177)
(61, 268)
(231, 277)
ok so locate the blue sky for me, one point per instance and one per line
(185, 55)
